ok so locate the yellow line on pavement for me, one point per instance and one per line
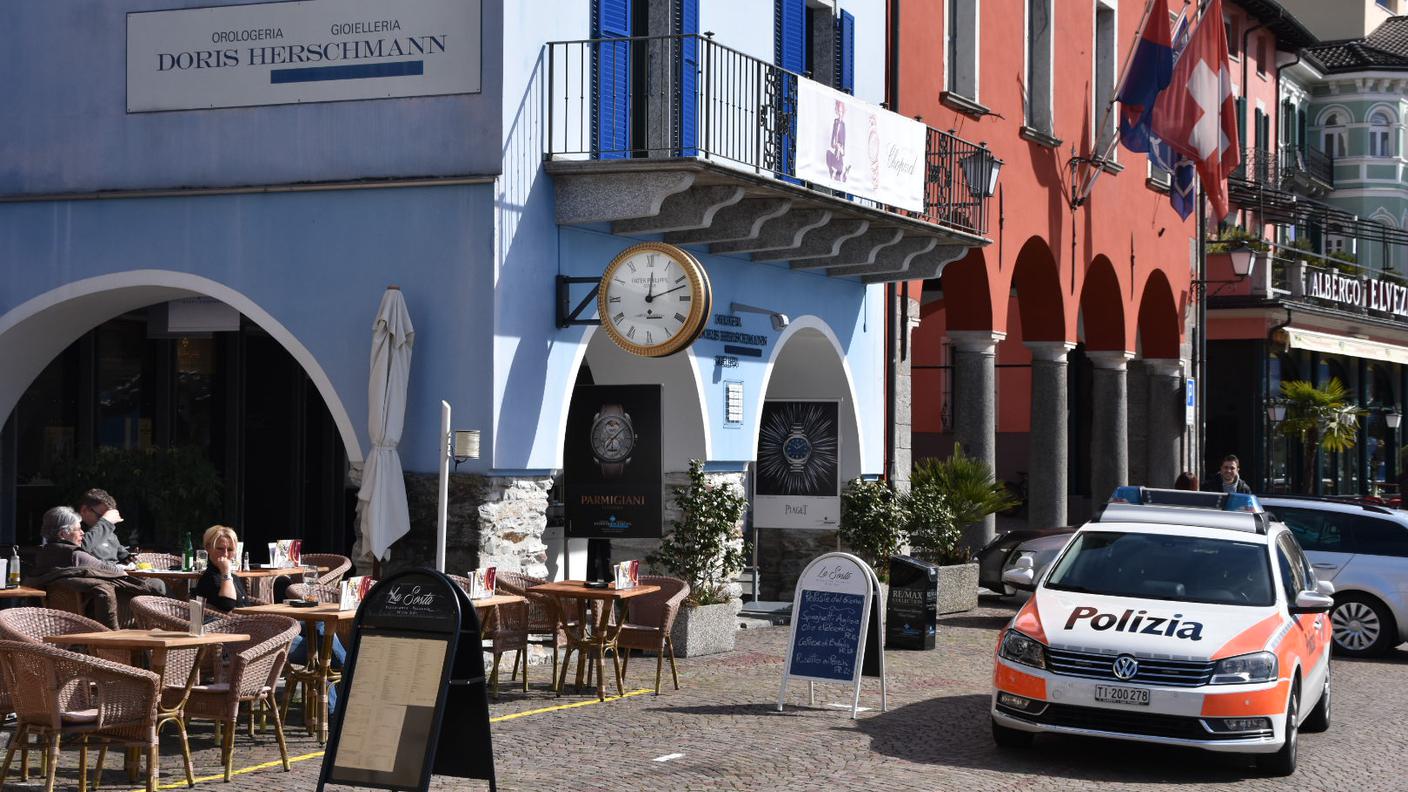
(318, 755)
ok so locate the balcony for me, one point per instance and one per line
(1304, 171)
(685, 137)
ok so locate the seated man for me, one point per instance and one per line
(62, 562)
(98, 510)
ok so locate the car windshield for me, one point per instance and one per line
(1151, 566)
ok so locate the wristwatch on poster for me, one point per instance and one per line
(796, 448)
(613, 440)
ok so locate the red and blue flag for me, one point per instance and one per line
(1149, 72)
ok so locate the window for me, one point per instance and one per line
(1039, 65)
(1291, 581)
(1179, 568)
(1232, 41)
(1104, 78)
(1375, 536)
(1380, 134)
(1333, 135)
(962, 62)
(1315, 530)
(1263, 54)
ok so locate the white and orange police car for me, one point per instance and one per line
(1174, 617)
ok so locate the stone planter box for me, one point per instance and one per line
(706, 629)
(958, 588)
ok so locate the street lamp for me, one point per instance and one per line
(1393, 419)
(981, 169)
(1243, 259)
(1276, 411)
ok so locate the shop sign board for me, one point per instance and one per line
(301, 51)
(855, 147)
(797, 482)
(837, 627)
(613, 483)
(1374, 294)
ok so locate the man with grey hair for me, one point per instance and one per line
(62, 562)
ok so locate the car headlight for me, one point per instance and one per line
(1020, 649)
(1255, 667)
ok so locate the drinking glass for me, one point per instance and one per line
(202, 559)
(310, 583)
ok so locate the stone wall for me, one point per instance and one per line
(492, 520)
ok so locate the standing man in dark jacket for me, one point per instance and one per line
(1229, 477)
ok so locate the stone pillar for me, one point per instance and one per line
(1137, 423)
(902, 427)
(975, 409)
(1109, 439)
(1166, 422)
(1048, 482)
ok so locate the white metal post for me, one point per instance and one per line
(443, 506)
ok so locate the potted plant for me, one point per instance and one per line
(873, 519)
(944, 496)
(1347, 263)
(704, 548)
(1319, 417)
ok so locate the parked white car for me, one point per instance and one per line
(1363, 550)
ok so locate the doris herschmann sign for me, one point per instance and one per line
(301, 51)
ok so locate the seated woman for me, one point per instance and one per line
(224, 591)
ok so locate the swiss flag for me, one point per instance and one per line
(1197, 115)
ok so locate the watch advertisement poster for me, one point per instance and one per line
(797, 484)
(612, 479)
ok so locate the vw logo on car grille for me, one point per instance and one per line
(1126, 667)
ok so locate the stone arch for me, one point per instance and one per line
(1158, 324)
(1102, 307)
(1325, 112)
(808, 362)
(35, 332)
(967, 298)
(1039, 299)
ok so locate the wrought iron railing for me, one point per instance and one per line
(688, 96)
(1286, 168)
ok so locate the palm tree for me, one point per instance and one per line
(1322, 417)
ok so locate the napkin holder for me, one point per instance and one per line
(197, 606)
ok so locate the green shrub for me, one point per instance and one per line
(873, 520)
(703, 546)
(165, 494)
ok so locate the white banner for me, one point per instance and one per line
(301, 51)
(848, 145)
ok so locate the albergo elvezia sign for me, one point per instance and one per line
(301, 51)
(1371, 293)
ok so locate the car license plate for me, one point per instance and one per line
(1122, 695)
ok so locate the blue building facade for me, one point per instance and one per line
(297, 209)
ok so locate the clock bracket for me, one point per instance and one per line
(569, 315)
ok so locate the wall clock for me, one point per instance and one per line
(654, 299)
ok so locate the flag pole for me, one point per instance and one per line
(1110, 106)
(1200, 364)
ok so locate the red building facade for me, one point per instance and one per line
(1061, 348)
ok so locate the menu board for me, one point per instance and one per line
(835, 626)
(826, 630)
(397, 684)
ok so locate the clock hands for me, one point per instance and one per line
(667, 291)
(650, 292)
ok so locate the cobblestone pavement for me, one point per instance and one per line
(721, 732)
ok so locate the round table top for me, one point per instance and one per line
(183, 574)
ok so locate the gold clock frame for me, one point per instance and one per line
(699, 309)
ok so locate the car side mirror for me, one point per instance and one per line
(1325, 587)
(1021, 575)
(1312, 602)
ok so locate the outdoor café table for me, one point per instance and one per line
(16, 592)
(178, 581)
(585, 637)
(318, 672)
(158, 643)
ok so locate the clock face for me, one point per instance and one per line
(613, 439)
(654, 299)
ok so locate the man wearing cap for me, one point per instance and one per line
(98, 511)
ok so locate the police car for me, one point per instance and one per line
(1174, 617)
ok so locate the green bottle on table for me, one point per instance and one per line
(188, 556)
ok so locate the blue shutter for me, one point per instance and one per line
(611, 79)
(789, 49)
(846, 53)
(687, 118)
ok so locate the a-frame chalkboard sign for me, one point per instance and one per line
(413, 698)
(837, 627)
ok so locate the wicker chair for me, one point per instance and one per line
(158, 560)
(255, 666)
(58, 693)
(649, 619)
(338, 565)
(506, 630)
(544, 628)
(33, 625)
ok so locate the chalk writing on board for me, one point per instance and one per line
(826, 634)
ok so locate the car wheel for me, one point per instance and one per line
(1283, 762)
(1362, 626)
(1007, 737)
(1319, 718)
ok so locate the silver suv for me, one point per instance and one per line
(1363, 550)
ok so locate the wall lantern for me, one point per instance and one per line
(981, 169)
(1276, 411)
(1243, 259)
(1393, 419)
(464, 445)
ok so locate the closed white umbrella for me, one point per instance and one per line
(381, 502)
